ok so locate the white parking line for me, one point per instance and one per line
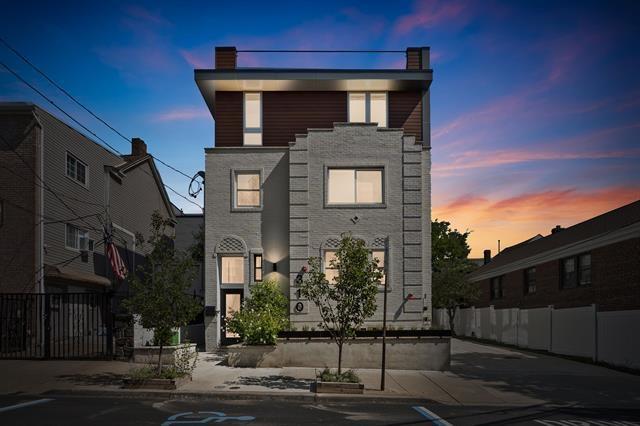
(25, 404)
(431, 416)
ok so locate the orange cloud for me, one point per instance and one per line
(517, 218)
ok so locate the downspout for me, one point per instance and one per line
(39, 207)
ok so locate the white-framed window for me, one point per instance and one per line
(76, 238)
(232, 269)
(380, 256)
(247, 189)
(76, 169)
(330, 263)
(354, 186)
(252, 118)
(368, 107)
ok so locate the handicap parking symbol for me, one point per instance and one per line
(203, 417)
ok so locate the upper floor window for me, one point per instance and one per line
(252, 119)
(76, 169)
(354, 186)
(368, 107)
(496, 288)
(530, 280)
(76, 238)
(576, 271)
(232, 269)
(247, 189)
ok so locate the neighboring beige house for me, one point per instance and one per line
(52, 230)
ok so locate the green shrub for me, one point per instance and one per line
(348, 376)
(262, 316)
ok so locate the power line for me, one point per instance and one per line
(15, 74)
(81, 105)
(316, 51)
(43, 182)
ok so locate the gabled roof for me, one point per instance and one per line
(606, 223)
(132, 162)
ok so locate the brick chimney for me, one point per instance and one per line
(487, 256)
(226, 58)
(417, 58)
(557, 229)
(138, 147)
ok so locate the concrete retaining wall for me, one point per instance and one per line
(404, 353)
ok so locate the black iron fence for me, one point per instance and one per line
(56, 326)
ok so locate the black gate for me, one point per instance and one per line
(56, 325)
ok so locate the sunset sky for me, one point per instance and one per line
(535, 105)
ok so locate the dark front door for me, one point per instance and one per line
(231, 302)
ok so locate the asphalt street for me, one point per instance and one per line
(77, 410)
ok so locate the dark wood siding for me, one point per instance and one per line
(229, 119)
(288, 113)
(405, 110)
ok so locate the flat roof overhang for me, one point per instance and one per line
(264, 80)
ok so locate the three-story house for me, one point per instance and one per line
(304, 155)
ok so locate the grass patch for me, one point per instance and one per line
(151, 372)
(348, 376)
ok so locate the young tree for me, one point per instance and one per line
(159, 291)
(263, 315)
(347, 302)
(451, 265)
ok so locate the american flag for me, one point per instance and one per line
(117, 265)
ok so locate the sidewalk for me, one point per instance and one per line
(480, 375)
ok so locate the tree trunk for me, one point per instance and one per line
(160, 360)
(452, 316)
(340, 358)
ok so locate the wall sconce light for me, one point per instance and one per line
(275, 266)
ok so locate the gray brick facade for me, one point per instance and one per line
(295, 223)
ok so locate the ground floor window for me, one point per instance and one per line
(496, 288)
(232, 269)
(530, 280)
(330, 266)
(257, 267)
(576, 271)
(379, 255)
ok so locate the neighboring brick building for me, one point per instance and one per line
(58, 189)
(593, 262)
(302, 156)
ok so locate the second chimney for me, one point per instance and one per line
(226, 58)
(557, 229)
(487, 256)
(138, 147)
(417, 58)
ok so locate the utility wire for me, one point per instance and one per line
(15, 74)
(316, 51)
(55, 194)
(81, 105)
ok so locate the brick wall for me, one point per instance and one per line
(615, 276)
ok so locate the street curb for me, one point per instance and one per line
(233, 395)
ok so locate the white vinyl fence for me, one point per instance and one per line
(610, 337)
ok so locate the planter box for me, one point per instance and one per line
(338, 387)
(149, 354)
(164, 384)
